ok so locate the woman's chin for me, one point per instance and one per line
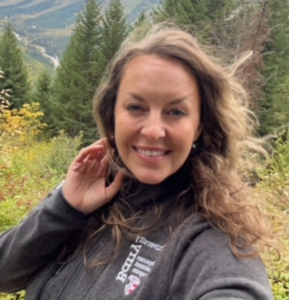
(152, 180)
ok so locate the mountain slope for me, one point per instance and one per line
(49, 23)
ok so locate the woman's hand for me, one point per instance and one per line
(84, 187)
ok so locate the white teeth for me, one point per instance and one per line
(150, 153)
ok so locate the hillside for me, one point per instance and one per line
(45, 26)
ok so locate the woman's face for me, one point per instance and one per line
(157, 117)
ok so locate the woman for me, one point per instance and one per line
(156, 207)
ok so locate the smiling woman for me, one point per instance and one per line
(156, 125)
(156, 209)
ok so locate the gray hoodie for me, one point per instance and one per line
(195, 262)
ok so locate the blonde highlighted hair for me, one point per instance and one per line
(220, 195)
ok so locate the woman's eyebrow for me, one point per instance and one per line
(175, 101)
(137, 97)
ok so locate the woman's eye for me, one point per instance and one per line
(134, 107)
(177, 112)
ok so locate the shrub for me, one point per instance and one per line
(28, 173)
(29, 167)
(17, 296)
(275, 187)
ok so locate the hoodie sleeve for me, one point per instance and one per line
(37, 240)
(204, 268)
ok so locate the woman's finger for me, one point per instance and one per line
(115, 186)
(91, 150)
(104, 143)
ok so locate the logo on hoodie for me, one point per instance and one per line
(131, 284)
(136, 267)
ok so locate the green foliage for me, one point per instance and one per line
(11, 63)
(29, 167)
(19, 127)
(275, 186)
(63, 150)
(184, 13)
(93, 44)
(36, 64)
(77, 78)
(141, 19)
(141, 26)
(17, 296)
(29, 172)
(216, 10)
(274, 108)
(197, 16)
(276, 176)
(42, 95)
(279, 277)
(114, 30)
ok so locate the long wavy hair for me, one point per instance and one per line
(220, 194)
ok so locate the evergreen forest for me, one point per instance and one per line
(45, 121)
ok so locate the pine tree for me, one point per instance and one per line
(142, 25)
(217, 10)
(78, 76)
(141, 19)
(197, 16)
(114, 29)
(274, 109)
(182, 12)
(11, 62)
(42, 94)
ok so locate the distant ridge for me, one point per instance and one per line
(49, 23)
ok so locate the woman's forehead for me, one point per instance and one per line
(161, 67)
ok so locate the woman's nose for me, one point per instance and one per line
(153, 128)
